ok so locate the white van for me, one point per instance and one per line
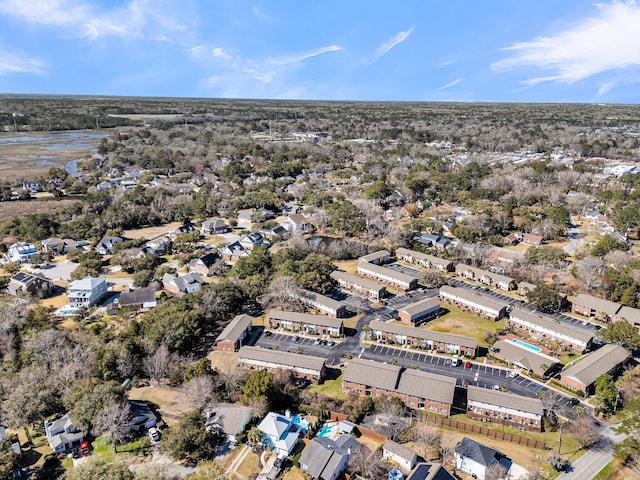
(454, 361)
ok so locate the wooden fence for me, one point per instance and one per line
(487, 432)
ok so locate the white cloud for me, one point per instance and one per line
(297, 58)
(450, 84)
(607, 41)
(393, 42)
(219, 53)
(82, 19)
(17, 62)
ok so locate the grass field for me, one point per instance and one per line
(464, 323)
(331, 388)
(250, 466)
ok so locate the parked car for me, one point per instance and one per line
(84, 448)
(267, 333)
(154, 434)
(317, 342)
(513, 374)
(454, 361)
(295, 338)
(467, 364)
(331, 343)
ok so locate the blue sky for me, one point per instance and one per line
(413, 50)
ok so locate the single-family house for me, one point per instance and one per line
(138, 298)
(312, 324)
(214, 226)
(505, 408)
(22, 252)
(60, 246)
(476, 303)
(417, 389)
(251, 241)
(302, 366)
(234, 252)
(106, 244)
(582, 375)
(62, 435)
(591, 306)
(202, 265)
(402, 456)
(379, 257)
(186, 228)
(323, 459)
(228, 418)
(234, 334)
(429, 471)
(183, 284)
(545, 329)
(525, 359)
(297, 223)
(532, 239)
(87, 292)
(321, 303)
(279, 433)
(158, 246)
(32, 283)
(425, 260)
(360, 285)
(475, 458)
(422, 338)
(276, 233)
(142, 417)
(420, 312)
(399, 280)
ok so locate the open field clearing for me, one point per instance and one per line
(8, 210)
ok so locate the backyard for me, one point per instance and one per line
(464, 323)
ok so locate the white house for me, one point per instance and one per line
(62, 435)
(279, 432)
(476, 458)
(296, 222)
(404, 457)
(22, 252)
(87, 292)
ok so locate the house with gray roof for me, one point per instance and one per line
(323, 459)
(106, 244)
(474, 302)
(402, 456)
(214, 226)
(485, 276)
(31, 283)
(504, 408)
(417, 389)
(183, 284)
(228, 418)
(138, 298)
(379, 257)
(475, 458)
(234, 334)
(591, 306)
(582, 375)
(62, 435)
(279, 432)
(524, 358)
(303, 366)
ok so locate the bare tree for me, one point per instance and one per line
(447, 449)
(427, 438)
(200, 392)
(590, 271)
(555, 461)
(495, 471)
(281, 292)
(115, 420)
(584, 431)
(390, 417)
(157, 364)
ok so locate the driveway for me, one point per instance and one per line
(60, 271)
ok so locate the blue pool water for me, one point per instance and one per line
(533, 348)
(327, 430)
(302, 424)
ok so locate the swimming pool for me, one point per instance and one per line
(526, 345)
(301, 423)
(327, 430)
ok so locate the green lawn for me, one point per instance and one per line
(330, 388)
(464, 323)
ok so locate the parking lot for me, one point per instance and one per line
(477, 374)
(285, 343)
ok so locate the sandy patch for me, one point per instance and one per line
(171, 402)
(151, 232)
